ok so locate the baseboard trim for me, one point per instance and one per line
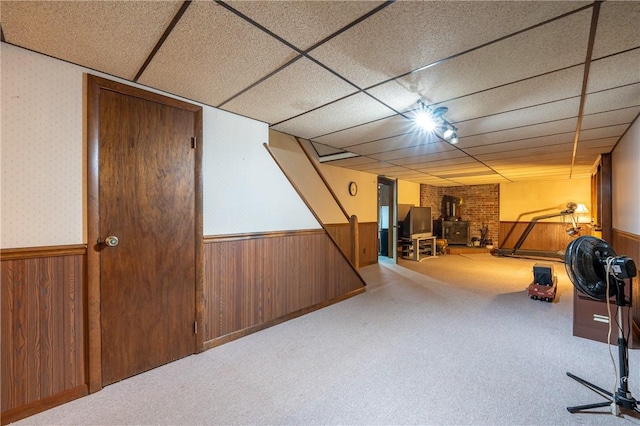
(372, 262)
(250, 330)
(41, 405)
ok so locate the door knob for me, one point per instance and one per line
(111, 241)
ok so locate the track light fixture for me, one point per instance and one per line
(431, 120)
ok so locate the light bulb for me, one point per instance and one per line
(425, 121)
(448, 133)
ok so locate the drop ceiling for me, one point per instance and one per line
(537, 90)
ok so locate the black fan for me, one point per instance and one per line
(585, 260)
(595, 269)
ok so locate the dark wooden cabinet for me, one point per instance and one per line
(591, 319)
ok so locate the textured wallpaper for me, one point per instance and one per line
(41, 145)
(41, 172)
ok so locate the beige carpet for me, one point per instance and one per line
(451, 340)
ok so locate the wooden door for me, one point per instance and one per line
(147, 199)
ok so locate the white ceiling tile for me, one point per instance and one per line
(416, 151)
(379, 129)
(602, 144)
(114, 37)
(621, 97)
(624, 115)
(378, 48)
(559, 44)
(298, 88)
(618, 27)
(536, 91)
(336, 116)
(603, 132)
(519, 133)
(205, 59)
(614, 71)
(445, 166)
(409, 140)
(523, 117)
(538, 143)
(532, 153)
(417, 160)
(304, 23)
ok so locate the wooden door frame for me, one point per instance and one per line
(393, 212)
(93, 86)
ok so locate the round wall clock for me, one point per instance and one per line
(353, 188)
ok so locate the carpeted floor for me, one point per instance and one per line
(451, 340)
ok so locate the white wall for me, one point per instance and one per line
(244, 189)
(625, 179)
(42, 177)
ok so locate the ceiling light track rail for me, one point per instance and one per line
(433, 119)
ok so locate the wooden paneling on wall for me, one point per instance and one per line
(341, 234)
(251, 282)
(367, 238)
(627, 244)
(544, 235)
(43, 333)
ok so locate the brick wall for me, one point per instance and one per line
(480, 205)
(429, 198)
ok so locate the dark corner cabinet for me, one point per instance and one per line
(454, 231)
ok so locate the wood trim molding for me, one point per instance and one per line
(629, 235)
(48, 251)
(255, 235)
(245, 332)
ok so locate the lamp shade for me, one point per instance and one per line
(581, 209)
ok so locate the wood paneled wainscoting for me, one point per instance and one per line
(628, 244)
(549, 236)
(367, 241)
(43, 332)
(255, 281)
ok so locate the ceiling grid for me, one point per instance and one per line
(536, 89)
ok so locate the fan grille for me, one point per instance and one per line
(584, 260)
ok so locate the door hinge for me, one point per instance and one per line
(195, 327)
(193, 142)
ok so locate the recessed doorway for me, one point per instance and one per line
(387, 224)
